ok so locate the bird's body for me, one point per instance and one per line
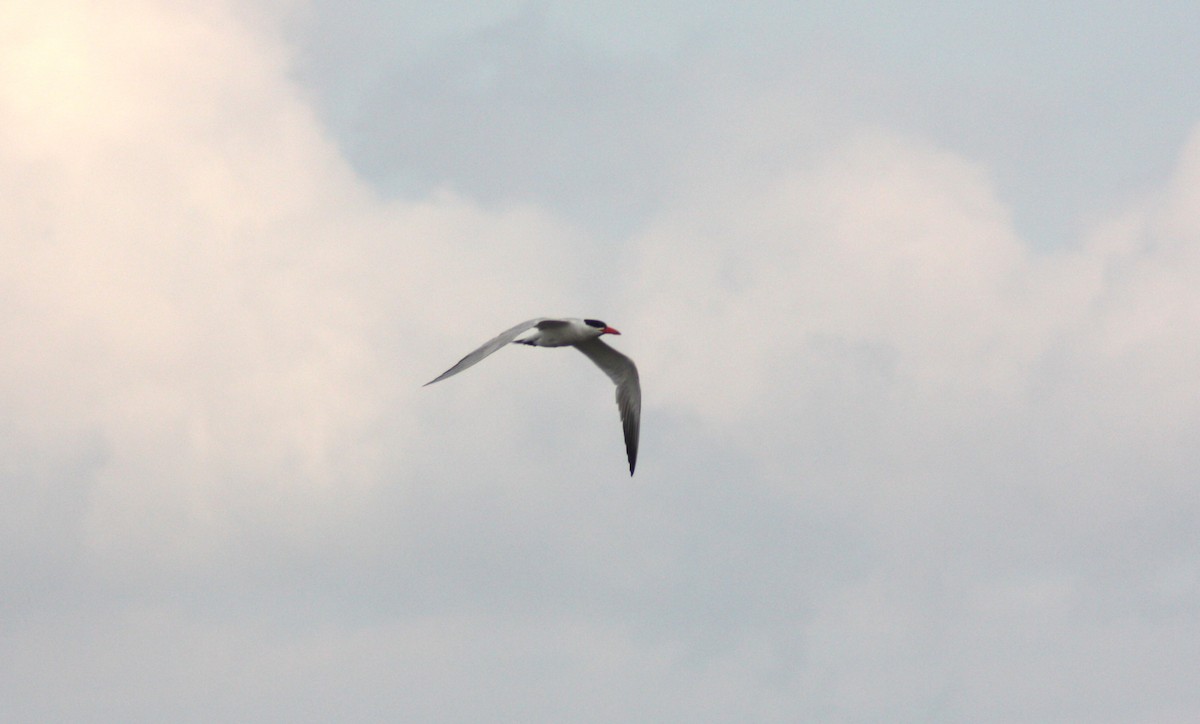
(584, 335)
(561, 333)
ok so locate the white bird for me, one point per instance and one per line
(583, 335)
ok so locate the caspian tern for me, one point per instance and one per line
(583, 335)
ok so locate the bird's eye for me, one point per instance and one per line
(595, 323)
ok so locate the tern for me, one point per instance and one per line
(584, 335)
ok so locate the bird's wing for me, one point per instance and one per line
(621, 370)
(488, 347)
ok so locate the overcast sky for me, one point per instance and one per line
(914, 290)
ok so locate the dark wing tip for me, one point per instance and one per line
(631, 442)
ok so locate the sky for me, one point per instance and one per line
(912, 288)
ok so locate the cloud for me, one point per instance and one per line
(159, 277)
(895, 457)
(990, 422)
(208, 309)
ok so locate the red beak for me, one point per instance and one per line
(609, 330)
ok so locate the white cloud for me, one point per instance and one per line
(201, 291)
(892, 455)
(875, 336)
(894, 260)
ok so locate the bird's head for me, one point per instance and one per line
(604, 328)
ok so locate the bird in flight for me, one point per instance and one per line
(584, 335)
